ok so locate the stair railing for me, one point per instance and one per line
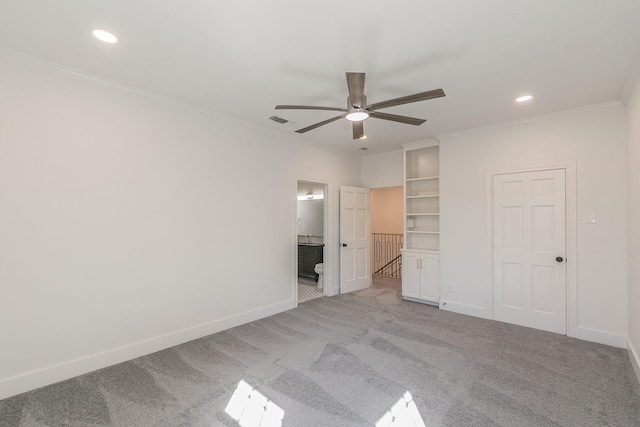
(387, 258)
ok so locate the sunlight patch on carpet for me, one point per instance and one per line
(250, 408)
(403, 413)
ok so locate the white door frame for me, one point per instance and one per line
(571, 227)
(327, 226)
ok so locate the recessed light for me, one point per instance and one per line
(105, 36)
(524, 98)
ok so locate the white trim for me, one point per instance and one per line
(444, 136)
(332, 252)
(602, 337)
(635, 358)
(103, 83)
(571, 194)
(420, 251)
(329, 245)
(431, 142)
(295, 236)
(72, 368)
(488, 227)
(381, 185)
(327, 286)
(571, 235)
(421, 301)
(632, 77)
(469, 310)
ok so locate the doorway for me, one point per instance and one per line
(387, 235)
(311, 233)
(529, 249)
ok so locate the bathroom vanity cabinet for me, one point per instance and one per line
(309, 254)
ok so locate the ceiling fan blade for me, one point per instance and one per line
(322, 123)
(355, 83)
(396, 118)
(308, 107)
(358, 130)
(437, 93)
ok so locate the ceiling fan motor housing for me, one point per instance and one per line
(351, 105)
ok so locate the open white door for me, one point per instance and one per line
(529, 249)
(354, 239)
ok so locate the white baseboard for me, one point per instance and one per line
(602, 337)
(72, 368)
(469, 310)
(635, 358)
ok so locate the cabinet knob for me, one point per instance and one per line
(559, 259)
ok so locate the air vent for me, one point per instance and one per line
(363, 148)
(279, 120)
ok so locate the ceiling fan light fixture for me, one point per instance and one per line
(357, 115)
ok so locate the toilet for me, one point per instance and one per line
(319, 269)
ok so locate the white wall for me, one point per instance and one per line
(595, 139)
(387, 210)
(122, 217)
(633, 194)
(382, 170)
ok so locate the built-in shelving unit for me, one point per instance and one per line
(420, 256)
(422, 196)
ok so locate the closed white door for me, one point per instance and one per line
(354, 239)
(529, 249)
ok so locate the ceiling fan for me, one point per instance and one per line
(358, 110)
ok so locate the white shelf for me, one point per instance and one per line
(426, 178)
(421, 197)
(424, 196)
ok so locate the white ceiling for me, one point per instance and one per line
(242, 58)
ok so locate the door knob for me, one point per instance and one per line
(344, 245)
(559, 259)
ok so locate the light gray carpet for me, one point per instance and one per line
(345, 361)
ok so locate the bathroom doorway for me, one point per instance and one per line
(311, 231)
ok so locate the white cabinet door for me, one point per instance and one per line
(411, 275)
(429, 274)
(421, 276)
